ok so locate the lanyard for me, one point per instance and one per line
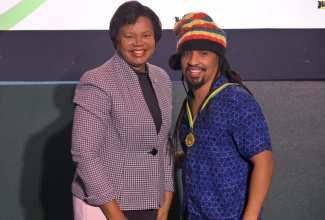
(191, 120)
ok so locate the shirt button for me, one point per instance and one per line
(189, 200)
(187, 177)
(188, 152)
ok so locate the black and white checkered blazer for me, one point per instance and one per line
(113, 135)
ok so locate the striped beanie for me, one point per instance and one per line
(197, 31)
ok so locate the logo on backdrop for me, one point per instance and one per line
(321, 4)
(14, 11)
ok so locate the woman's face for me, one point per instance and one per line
(136, 43)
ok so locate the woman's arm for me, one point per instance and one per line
(112, 211)
(164, 210)
(88, 137)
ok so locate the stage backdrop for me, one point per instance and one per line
(58, 40)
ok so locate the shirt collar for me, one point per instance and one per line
(220, 81)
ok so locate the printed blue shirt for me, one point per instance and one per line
(216, 169)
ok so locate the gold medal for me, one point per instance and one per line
(190, 139)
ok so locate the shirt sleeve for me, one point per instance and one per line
(88, 136)
(248, 126)
(168, 155)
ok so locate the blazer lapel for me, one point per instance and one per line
(160, 98)
(129, 79)
(135, 96)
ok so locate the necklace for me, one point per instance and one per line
(190, 138)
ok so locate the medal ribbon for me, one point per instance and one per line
(191, 120)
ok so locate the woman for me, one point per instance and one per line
(120, 140)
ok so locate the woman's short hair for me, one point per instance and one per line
(128, 13)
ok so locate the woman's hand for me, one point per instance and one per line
(164, 210)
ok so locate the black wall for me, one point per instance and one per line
(259, 54)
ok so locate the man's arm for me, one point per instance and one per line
(178, 159)
(259, 184)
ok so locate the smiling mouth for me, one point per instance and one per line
(138, 52)
(195, 72)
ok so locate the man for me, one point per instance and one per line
(227, 159)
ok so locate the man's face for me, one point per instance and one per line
(199, 67)
(136, 43)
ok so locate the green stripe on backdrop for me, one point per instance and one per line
(19, 12)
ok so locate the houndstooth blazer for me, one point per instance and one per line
(113, 135)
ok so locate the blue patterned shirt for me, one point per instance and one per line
(216, 169)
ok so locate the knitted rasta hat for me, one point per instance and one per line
(197, 31)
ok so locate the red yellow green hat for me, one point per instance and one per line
(197, 31)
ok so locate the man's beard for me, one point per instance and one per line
(195, 85)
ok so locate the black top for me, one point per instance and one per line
(150, 97)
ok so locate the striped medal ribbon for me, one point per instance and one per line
(190, 138)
